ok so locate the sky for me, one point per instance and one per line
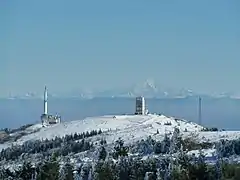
(109, 44)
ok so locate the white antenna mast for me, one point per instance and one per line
(45, 101)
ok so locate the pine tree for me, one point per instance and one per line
(120, 149)
(158, 174)
(76, 175)
(62, 174)
(84, 172)
(146, 177)
(122, 168)
(175, 142)
(104, 170)
(218, 170)
(157, 148)
(27, 171)
(90, 177)
(68, 171)
(102, 153)
(176, 174)
(49, 170)
(199, 168)
(165, 145)
(218, 165)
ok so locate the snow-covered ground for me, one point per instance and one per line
(129, 127)
(213, 136)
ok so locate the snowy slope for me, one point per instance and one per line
(125, 126)
(129, 127)
(214, 136)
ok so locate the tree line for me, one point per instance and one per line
(117, 164)
(120, 166)
(73, 143)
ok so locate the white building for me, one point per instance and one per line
(140, 106)
(45, 117)
(50, 119)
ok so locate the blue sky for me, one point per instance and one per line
(112, 44)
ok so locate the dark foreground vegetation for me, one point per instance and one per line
(76, 143)
(165, 159)
(61, 146)
(123, 167)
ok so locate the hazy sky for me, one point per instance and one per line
(108, 44)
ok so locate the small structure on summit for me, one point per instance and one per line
(45, 117)
(140, 106)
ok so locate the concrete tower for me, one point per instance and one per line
(140, 106)
(45, 101)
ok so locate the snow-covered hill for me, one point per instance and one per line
(129, 127)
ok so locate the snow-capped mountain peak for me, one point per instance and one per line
(150, 84)
(148, 88)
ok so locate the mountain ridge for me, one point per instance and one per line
(148, 89)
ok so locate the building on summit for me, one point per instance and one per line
(45, 117)
(140, 106)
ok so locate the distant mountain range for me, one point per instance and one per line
(147, 89)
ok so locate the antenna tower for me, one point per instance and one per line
(200, 111)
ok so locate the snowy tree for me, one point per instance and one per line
(84, 172)
(102, 153)
(145, 147)
(103, 170)
(76, 175)
(167, 175)
(149, 176)
(198, 168)
(90, 174)
(158, 174)
(175, 142)
(165, 145)
(27, 171)
(62, 174)
(226, 148)
(122, 168)
(120, 149)
(158, 147)
(103, 142)
(49, 169)
(68, 171)
(136, 168)
(218, 169)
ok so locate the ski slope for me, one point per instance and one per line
(129, 127)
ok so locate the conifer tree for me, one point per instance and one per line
(84, 172)
(120, 149)
(165, 145)
(102, 153)
(49, 170)
(27, 171)
(69, 171)
(104, 170)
